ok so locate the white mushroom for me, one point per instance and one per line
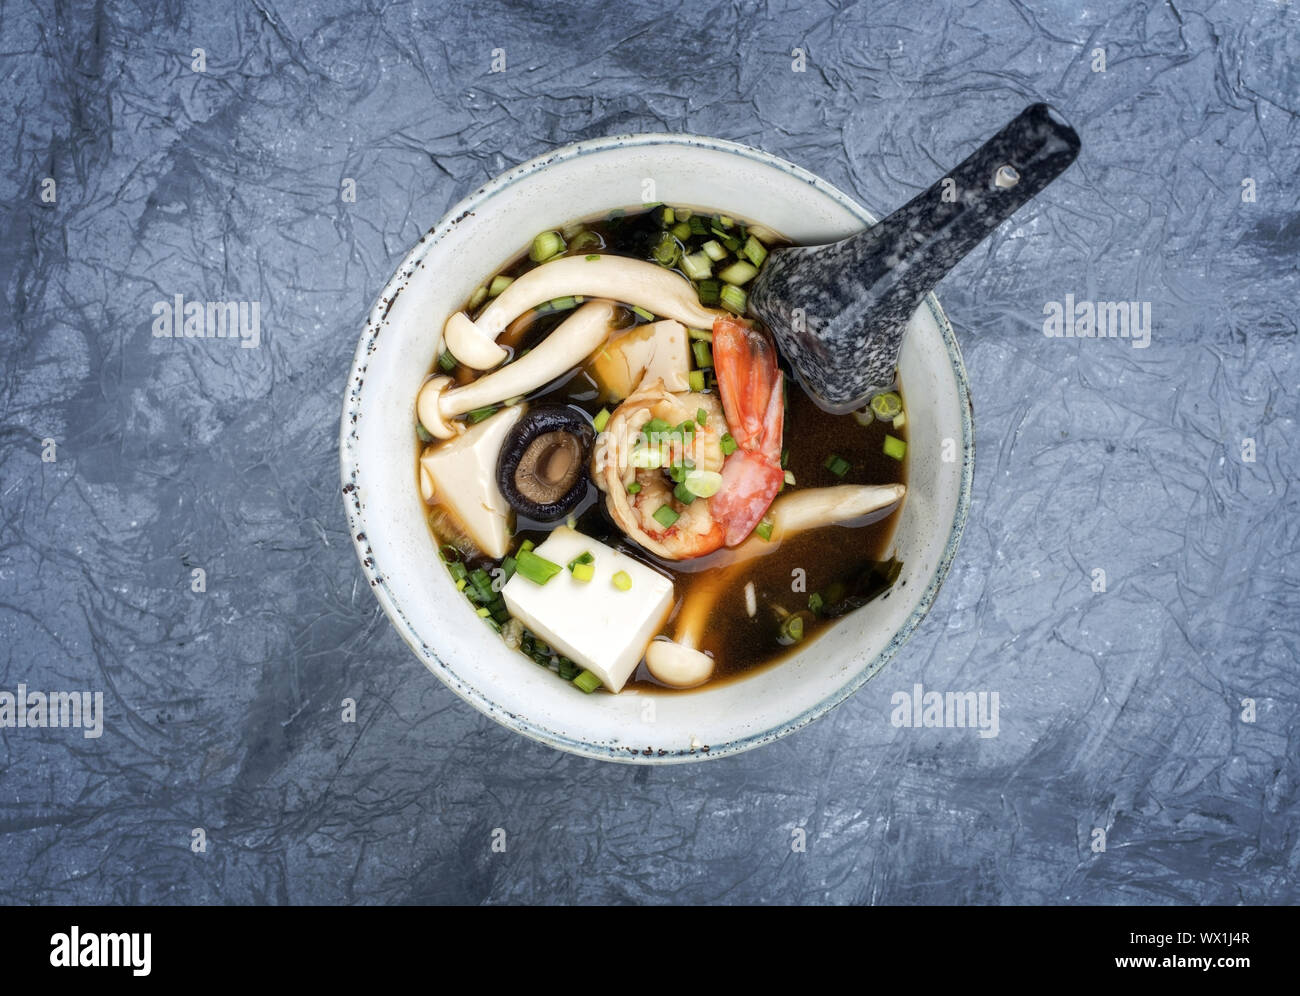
(631, 281)
(568, 345)
(799, 511)
(679, 662)
(678, 665)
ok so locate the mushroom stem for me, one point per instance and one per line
(568, 345)
(632, 281)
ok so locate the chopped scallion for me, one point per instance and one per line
(733, 299)
(592, 257)
(546, 245)
(696, 379)
(815, 602)
(643, 313)
(764, 530)
(703, 353)
(665, 516)
(710, 292)
(536, 569)
(587, 681)
(754, 251)
(622, 580)
(886, 406)
(696, 265)
(583, 572)
(634, 488)
(499, 283)
(446, 361)
(701, 417)
(895, 447)
(728, 444)
(601, 420)
(683, 494)
(425, 435)
(713, 249)
(479, 414)
(703, 334)
(837, 465)
(739, 272)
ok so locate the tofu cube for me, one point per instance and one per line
(464, 474)
(603, 629)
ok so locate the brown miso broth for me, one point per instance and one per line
(844, 566)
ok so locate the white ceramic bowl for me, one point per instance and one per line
(398, 557)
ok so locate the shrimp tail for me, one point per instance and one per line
(753, 400)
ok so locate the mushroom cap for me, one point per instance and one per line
(678, 665)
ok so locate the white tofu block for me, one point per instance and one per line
(464, 473)
(593, 623)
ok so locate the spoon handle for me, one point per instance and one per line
(930, 234)
(859, 294)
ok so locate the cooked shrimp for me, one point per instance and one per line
(753, 398)
(751, 410)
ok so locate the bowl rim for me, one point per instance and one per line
(349, 461)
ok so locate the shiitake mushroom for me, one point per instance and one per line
(542, 469)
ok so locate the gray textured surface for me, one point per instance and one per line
(1119, 710)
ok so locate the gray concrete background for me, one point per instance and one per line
(1119, 710)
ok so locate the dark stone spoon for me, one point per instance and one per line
(839, 311)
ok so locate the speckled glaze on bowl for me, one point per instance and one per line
(387, 518)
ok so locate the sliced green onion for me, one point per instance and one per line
(526, 545)
(703, 353)
(584, 558)
(643, 313)
(546, 245)
(666, 251)
(698, 225)
(665, 516)
(792, 628)
(536, 569)
(479, 414)
(900, 420)
(701, 417)
(739, 272)
(499, 283)
(484, 612)
(710, 292)
(477, 298)
(895, 447)
(815, 602)
(753, 251)
(764, 530)
(634, 488)
(713, 249)
(681, 231)
(563, 303)
(446, 361)
(425, 435)
(733, 299)
(886, 406)
(683, 494)
(696, 265)
(584, 240)
(592, 257)
(703, 335)
(837, 465)
(789, 478)
(622, 580)
(457, 570)
(703, 483)
(723, 220)
(728, 444)
(583, 572)
(601, 420)
(696, 379)
(587, 681)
